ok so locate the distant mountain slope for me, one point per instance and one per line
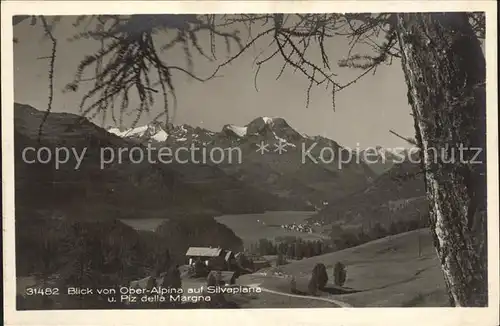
(398, 194)
(58, 207)
(381, 160)
(116, 190)
(295, 174)
(127, 189)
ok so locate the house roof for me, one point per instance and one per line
(203, 252)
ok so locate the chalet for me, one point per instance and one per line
(203, 253)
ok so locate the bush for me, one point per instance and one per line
(320, 275)
(280, 260)
(313, 285)
(173, 278)
(211, 280)
(293, 285)
(339, 274)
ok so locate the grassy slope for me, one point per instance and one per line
(373, 204)
(386, 272)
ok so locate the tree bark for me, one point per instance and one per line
(445, 72)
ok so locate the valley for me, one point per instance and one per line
(389, 272)
(236, 160)
(123, 220)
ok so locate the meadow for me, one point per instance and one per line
(389, 272)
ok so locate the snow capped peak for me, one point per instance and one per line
(160, 136)
(276, 128)
(115, 131)
(153, 130)
(237, 130)
(267, 120)
(283, 141)
(137, 131)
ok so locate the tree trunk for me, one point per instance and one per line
(444, 68)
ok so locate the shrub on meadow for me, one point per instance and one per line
(339, 274)
(319, 273)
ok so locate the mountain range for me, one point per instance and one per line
(279, 178)
(132, 189)
(342, 189)
(315, 178)
(378, 185)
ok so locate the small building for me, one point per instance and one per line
(203, 254)
(224, 277)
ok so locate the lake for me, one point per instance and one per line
(252, 227)
(146, 224)
(249, 227)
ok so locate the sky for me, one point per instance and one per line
(364, 112)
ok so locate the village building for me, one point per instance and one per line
(204, 254)
(213, 258)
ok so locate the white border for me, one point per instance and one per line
(310, 316)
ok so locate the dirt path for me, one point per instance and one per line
(338, 303)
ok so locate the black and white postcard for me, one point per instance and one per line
(177, 159)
